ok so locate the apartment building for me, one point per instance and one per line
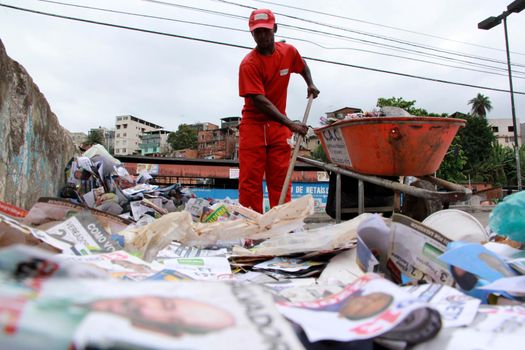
(154, 143)
(129, 130)
(503, 129)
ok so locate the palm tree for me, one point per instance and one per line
(480, 105)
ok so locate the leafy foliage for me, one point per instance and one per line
(477, 140)
(184, 137)
(95, 136)
(498, 167)
(451, 168)
(480, 105)
(406, 105)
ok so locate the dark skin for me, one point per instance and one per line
(265, 40)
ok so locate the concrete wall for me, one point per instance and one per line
(34, 148)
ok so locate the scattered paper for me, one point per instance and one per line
(456, 308)
(204, 268)
(287, 264)
(80, 313)
(512, 285)
(364, 309)
(415, 251)
(81, 234)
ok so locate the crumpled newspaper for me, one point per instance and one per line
(148, 240)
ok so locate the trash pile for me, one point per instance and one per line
(385, 111)
(216, 275)
(99, 181)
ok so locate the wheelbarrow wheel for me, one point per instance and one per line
(419, 208)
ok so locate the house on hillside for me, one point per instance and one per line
(220, 143)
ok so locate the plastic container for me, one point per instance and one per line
(508, 217)
(389, 146)
(457, 225)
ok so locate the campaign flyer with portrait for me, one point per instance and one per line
(367, 308)
(82, 313)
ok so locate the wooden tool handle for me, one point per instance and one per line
(295, 153)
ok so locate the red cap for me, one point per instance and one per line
(261, 18)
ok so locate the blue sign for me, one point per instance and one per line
(318, 190)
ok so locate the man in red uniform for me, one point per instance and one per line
(264, 130)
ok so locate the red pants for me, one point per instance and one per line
(263, 150)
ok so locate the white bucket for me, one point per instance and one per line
(457, 225)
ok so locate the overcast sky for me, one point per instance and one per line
(91, 73)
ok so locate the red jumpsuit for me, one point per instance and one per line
(263, 146)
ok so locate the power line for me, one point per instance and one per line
(383, 26)
(249, 48)
(304, 40)
(397, 48)
(339, 36)
(404, 42)
(140, 15)
(402, 57)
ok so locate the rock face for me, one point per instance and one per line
(34, 148)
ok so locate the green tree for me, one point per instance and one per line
(396, 102)
(476, 140)
(184, 137)
(499, 167)
(480, 105)
(451, 168)
(406, 105)
(95, 136)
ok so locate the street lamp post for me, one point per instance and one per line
(491, 22)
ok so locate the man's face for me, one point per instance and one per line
(264, 38)
(185, 313)
(364, 306)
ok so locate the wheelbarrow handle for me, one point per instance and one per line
(299, 140)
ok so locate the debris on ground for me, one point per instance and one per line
(170, 270)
